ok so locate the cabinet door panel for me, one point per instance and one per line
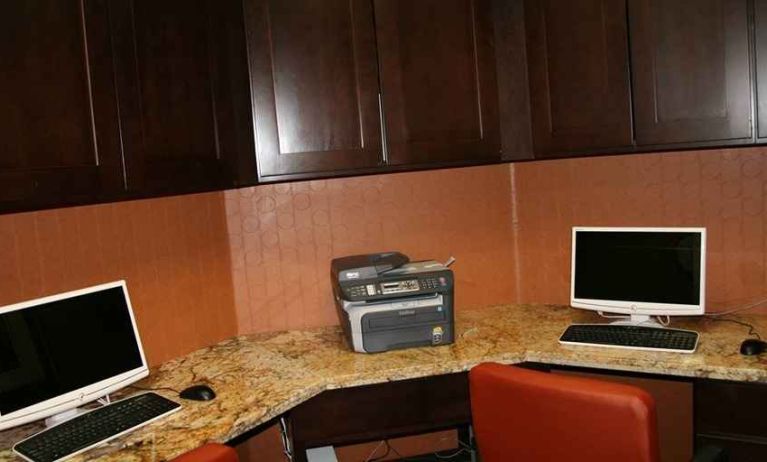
(578, 62)
(315, 86)
(438, 77)
(691, 70)
(58, 125)
(760, 24)
(181, 70)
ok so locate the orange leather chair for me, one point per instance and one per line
(211, 452)
(525, 415)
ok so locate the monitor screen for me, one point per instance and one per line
(661, 267)
(56, 347)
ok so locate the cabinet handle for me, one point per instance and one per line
(384, 147)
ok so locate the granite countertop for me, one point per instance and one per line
(259, 377)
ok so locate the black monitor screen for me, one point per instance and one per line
(57, 347)
(653, 267)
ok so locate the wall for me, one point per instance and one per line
(283, 237)
(173, 252)
(723, 190)
(204, 267)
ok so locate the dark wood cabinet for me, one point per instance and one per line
(691, 70)
(106, 100)
(438, 78)
(380, 411)
(319, 109)
(182, 87)
(760, 44)
(59, 137)
(578, 65)
(314, 81)
(730, 415)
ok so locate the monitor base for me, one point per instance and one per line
(62, 417)
(70, 414)
(638, 320)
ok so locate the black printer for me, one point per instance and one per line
(386, 302)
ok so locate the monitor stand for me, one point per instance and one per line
(62, 417)
(70, 414)
(638, 320)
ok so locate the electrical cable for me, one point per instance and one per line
(751, 329)
(392, 448)
(450, 456)
(370, 457)
(738, 309)
(287, 445)
(155, 389)
(462, 448)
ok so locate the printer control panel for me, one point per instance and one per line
(398, 287)
(404, 286)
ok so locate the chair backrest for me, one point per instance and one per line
(211, 452)
(520, 414)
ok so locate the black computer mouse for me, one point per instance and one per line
(752, 346)
(198, 393)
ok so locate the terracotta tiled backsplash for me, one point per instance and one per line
(283, 237)
(204, 267)
(723, 190)
(173, 252)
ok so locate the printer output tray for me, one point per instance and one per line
(402, 323)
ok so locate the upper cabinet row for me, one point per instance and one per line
(110, 99)
(611, 75)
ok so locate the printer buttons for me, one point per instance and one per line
(357, 291)
(429, 283)
(371, 289)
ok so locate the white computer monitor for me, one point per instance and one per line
(639, 272)
(63, 351)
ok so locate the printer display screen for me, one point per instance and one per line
(398, 287)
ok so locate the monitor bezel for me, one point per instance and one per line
(638, 307)
(86, 394)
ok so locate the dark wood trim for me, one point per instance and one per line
(513, 87)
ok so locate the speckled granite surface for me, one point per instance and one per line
(261, 376)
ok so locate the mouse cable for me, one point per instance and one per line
(738, 309)
(155, 389)
(751, 329)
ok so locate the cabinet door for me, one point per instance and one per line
(315, 86)
(438, 78)
(578, 60)
(691, 71)
(730, 415)
(182, 82)
(760, 24)
(59, 142)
